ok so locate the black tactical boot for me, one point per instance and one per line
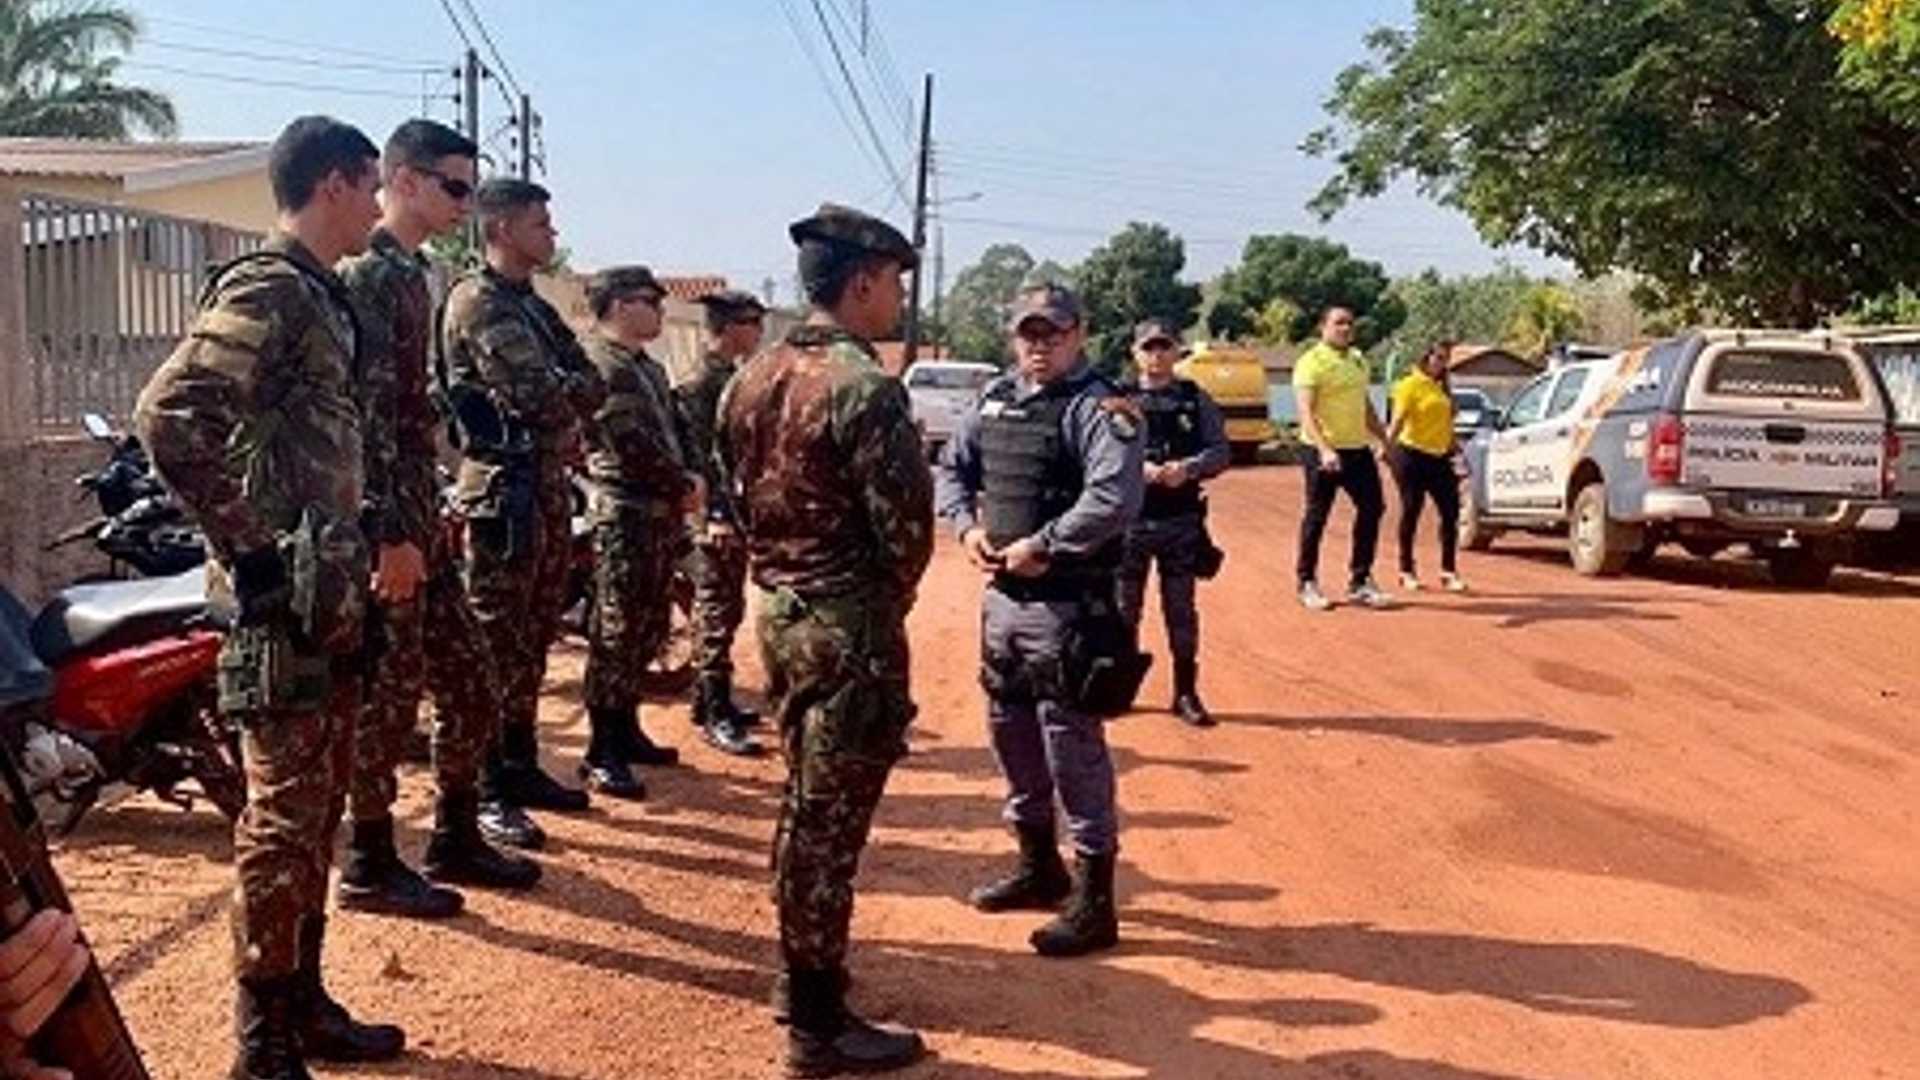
(325, 1030)
(517, 777)
(745, 718)
(1088, 924)
(372, 878)
(1186, 694)
(825, 1038)
(640, 748)
(501, 822)
(263, 1026)
(459, 854)
(720, 723)
(605, 769)
(781, 999)
(1038, 883)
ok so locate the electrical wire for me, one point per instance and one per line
(458, 27)
(299, 61)
(492, 49)
(892, 93)
(283, 84)
(805, 42)
(228, 33)
(859, 103)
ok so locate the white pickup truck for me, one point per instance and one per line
(1779, 440)
(940, 391)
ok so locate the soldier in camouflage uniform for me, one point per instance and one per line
(644, 485)
(429, 172)
(735, 322)
(508, 355)
(828, 476)
(253, 423)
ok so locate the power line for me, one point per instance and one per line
(228, 33)
(458, 27)
(859, 103)
(299, 61)
(492, 49)
(892, 94)
(283, 84)
(826, 84)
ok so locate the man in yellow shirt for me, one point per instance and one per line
(1338, 426)
(1422, 434)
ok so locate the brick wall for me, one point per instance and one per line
(38, 502)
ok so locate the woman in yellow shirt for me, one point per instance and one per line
(1421, 433)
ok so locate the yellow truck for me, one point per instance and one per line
(1236, 378)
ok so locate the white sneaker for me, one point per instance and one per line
(1453, 582)
(1369, 595)
(1313, 599)
(1411, 582)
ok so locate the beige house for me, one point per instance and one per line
(224, 183)
(683, 338)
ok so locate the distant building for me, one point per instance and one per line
(683, 340)
(224, 183)
(1498, 372)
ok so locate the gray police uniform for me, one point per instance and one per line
(1058, 462)
(1183, 426)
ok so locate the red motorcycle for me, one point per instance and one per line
(109, 690)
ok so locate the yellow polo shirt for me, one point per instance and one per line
(1339, 380)
(1428, 412)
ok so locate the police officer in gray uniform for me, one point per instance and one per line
(1186, 445)
(1040, 482)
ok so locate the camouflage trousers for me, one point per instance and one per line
(633, 553)
(296, 765)
(837, 670)
(719, 571)
(517, 594)
(458, 670)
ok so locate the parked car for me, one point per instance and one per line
(1779, 440)
(1473, 412)
(941, 390)
(1236, 379)
(1895, 352)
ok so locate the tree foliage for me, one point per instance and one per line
(1474, 309)
(59, 73)
(1711, 148)
(1135, 275)
(1545, 315)
(1880, 53)
(975, 309)
(1308, 275)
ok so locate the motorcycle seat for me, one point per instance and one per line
(85, 616)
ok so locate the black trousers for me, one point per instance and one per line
(1421, 476)
(1359, 477)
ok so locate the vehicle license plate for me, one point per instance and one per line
(1779, 508)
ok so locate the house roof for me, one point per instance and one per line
(1463, 355)
(692, 287)
(143, 165)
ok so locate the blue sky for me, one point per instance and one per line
(687, 133)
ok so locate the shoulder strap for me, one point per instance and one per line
(333, 288)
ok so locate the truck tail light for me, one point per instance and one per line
(1890, 468)
(1666, 450)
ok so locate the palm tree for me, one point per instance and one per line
(58, 62)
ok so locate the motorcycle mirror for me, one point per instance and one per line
(97, 426)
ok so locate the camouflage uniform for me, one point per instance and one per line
(640, 470)
(396, 316)
(719, 566)
(253, 423)
(498, 336)
(830, 481)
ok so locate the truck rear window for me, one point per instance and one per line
(950, 378)
(1800, 376)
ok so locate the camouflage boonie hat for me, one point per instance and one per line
(847, 227)
(1055, 303)
(1151, 330)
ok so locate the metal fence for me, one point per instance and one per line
(109, 292)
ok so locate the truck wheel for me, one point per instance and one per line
(1475, 535)
(1799, 568)
(1600, 546)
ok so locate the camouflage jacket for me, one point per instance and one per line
(637, 444)
(254, 420)
(499, 335)
(389, 286)
(826, 468)
(700, 404)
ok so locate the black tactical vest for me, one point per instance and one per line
(1173, 434)
(1030, 475)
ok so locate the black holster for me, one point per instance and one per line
(1100, 659)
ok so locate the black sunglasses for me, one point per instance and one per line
(457, 189)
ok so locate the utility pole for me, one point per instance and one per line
(470, 101)
(939, 284)
(526, 136)
(766, 290)
(912, 346)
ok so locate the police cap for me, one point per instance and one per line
(845, 227)
(1151, 330)
(1055, 303)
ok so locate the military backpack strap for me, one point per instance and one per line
(333, 287)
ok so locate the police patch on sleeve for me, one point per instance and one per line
(1124, 416)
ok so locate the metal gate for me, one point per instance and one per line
(109, 292)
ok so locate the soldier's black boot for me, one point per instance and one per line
(501, 820)
(746, 718)
(325, 1030)
(263, 1026)
(781, 999)
(1089, 923)
(460, 855)
(522, 782)
(720, 722)
(825, 1038)
(640, 749)
(1186, 694)
(1038, 883)
(605, 768)
(373, 878)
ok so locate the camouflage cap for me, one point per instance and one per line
(617, 282)
(1055, 303)
(731, 302)
(847, 227)
(1151, 330)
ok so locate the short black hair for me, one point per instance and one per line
(311, 149)
(827, 268)
(420, 143)
(503, 196)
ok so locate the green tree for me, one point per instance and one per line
(1472, 309)
(1277, 322)
(975, 309)
(1547, 314)
(1880, 51)
(1133, 276)
(1900, 307)
(1708, 147)
(59, 67)
(1309, 275)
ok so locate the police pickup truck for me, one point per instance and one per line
(1779, 440)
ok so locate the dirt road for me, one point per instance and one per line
(1648, 828)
